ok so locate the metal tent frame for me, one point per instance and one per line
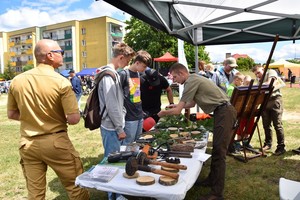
(200, 23)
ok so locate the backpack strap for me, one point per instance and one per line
(105, 71)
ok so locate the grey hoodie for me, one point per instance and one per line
(111, 94)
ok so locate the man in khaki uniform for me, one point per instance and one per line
(273, 111)
(44, 103)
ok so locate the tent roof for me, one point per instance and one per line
(65, 72)
(228, 22)
(283, 64)
(87, 71)
(167, 57)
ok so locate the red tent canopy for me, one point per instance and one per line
(166, 58)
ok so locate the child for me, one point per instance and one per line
(247, 80)
(243, 121)
(238, 79)
(130, 80)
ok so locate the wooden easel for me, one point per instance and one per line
(250, 101)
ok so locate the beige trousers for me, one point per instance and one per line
(56, 151)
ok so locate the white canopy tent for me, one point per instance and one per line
(202, 22)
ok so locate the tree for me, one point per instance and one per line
(294, 61)
(9, 72)
(27, 67)
(245, 63)
(143, 36)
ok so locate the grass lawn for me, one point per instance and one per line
(256, 179)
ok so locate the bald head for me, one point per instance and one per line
(43, 54)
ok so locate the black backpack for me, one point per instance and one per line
(91, 116)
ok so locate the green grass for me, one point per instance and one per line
(254, 180)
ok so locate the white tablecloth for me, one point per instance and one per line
(121, 185)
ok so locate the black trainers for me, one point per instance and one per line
(279, 151)
(297, 151)
(248, 145)
(232, 150)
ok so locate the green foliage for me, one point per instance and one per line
(207, 123)
(143, 36)
(9, 72)
(294, 61)
(245, 63)
(162, 136)
(27, 67)
(172, 121)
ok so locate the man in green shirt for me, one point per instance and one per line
(273, 111)
(210, 98)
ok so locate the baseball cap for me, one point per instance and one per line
(152, 77)
(231, 62)
(71, 71)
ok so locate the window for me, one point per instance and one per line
(68, 43)
(83, 42)
(84, 54)
(83, 31)
(84, 65)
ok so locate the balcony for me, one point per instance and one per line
(12, 54)
(117, 34)
(28, 41)
(29, 51)
(68, 36)
(11, 44)
(68, 59)
(69, 47)
(30, 62)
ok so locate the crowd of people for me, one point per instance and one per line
(133, 97)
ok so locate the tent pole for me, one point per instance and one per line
(196, 57)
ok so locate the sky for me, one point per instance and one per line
(19, 14)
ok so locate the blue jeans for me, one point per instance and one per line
(78, 97)
(133, 130)
(110, 141)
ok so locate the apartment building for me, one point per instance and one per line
(87, 43)
(17, 48)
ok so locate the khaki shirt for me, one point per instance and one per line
(204, 92)
(271, 73)
(44, 98)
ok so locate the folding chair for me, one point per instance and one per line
(288, 189)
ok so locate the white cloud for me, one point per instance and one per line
(260, 53)
(44, 12)
(288, 51)
(24, 18)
